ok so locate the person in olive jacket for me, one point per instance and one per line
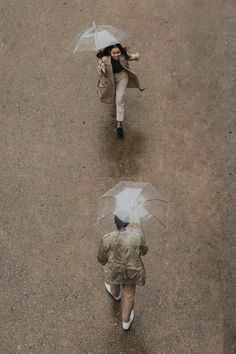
(115, 77)
(120, 255)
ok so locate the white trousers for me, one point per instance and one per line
(121, 82)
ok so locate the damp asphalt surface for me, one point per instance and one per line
(59, 153)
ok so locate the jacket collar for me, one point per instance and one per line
(107, 60)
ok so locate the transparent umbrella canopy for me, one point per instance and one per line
(141, 201)
(97, 37)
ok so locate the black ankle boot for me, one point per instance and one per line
(120, 132)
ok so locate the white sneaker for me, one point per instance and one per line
(126, 325)
(108, 289)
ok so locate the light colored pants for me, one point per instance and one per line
(127, 299)
(121, 82)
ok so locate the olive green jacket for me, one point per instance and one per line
(120, 254)
(106, 84)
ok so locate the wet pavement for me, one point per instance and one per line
(59, 152)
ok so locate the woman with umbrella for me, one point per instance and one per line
(120, 254)
(115, 77)
(115, 74)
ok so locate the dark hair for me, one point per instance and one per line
(120, 224)
(106, 51)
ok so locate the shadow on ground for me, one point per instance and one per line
(119, 341)
(121, 155)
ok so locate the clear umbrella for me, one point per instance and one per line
(140, 201)
(97, 37)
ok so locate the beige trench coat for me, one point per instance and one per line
(120, 254)
(106, 85)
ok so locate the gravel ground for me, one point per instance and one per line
(59, 152)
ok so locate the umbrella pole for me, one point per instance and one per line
(95, 36)
(132, 212)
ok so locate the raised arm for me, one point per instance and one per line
(134, 56)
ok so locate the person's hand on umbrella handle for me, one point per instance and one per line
(143, 249)
(101, 68)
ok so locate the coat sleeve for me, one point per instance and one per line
(143, 248)
(102, 253)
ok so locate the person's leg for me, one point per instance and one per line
(121, 80)
(115, 290)
(127, 301)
